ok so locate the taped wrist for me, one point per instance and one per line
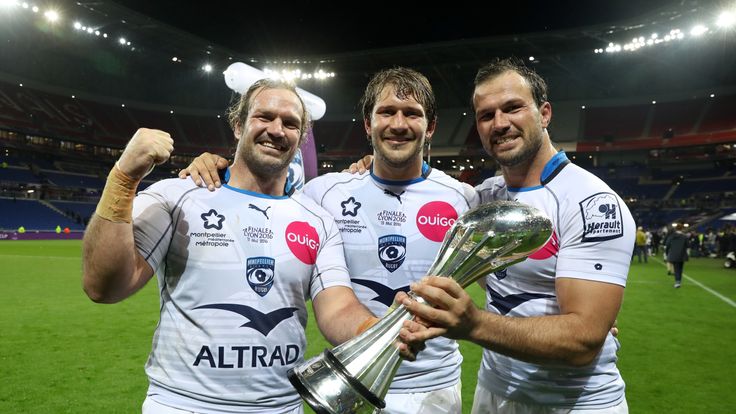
(116, 203)
(366, 324)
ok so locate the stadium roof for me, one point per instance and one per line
(448, 44)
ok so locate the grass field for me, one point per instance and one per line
(61, 353)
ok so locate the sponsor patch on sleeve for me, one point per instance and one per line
(601, 218)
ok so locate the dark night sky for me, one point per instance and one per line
(308, 27)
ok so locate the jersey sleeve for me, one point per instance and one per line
(471, 195)
(152, 225)
(330, 268)
(596, 238)
(314, 189)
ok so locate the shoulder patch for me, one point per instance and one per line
(601, 217)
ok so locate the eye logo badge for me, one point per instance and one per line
(392, 251)
(259, 272)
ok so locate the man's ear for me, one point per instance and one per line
(546, 112)
(431, 125)
(237, 132)
(367, 126)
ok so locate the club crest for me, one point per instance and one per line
(392, 251)
(259, 272)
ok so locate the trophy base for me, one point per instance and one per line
(326, 377)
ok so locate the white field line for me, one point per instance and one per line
(704, 287)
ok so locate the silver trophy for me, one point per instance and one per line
(355, 376)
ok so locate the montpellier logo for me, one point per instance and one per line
(261, 322)
(350, 207)
(212, 220)
(303, 241)
(434, 219)
(601, 218)
(259, 273)
(384, 294)
(392, 251)
(505, 304)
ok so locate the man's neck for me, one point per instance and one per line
(529, 174)
(242, 178)
(409, 171)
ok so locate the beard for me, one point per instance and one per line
(397, 158)
(525, 154)
(265, 166)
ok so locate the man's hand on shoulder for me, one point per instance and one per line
(204, 169)
(361, 166)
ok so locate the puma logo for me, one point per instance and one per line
(392, 194)
(255, 207)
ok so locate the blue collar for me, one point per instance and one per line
(426, 169)
(253, 193)
(550, 171)
(554, 166)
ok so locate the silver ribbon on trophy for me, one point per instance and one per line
(355, 376)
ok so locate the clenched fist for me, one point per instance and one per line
(147, 148)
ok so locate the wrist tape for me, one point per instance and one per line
(116, 203)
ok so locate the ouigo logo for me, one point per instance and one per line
(303, 241)
(435, 218)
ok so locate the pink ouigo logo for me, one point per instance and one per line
(435, 218)
(303, 241)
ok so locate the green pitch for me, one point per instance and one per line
(61, 353)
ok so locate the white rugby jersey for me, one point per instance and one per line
(234, 271)
(392, 231)
(593, 239)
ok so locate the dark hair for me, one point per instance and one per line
(237, 113)
(406, 82)
(500, 66)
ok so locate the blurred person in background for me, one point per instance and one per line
(675, 249)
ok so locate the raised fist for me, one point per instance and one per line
(147, 148)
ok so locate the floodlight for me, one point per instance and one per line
(52, 16)
(726, 20)
(698, 30)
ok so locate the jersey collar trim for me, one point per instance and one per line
(550, 171)
(554, 166)
(426, 170)
(288, 189)
(255, 194)
(524, 189)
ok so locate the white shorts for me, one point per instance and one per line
(442, 401)
(152, 407)
(486, 402)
